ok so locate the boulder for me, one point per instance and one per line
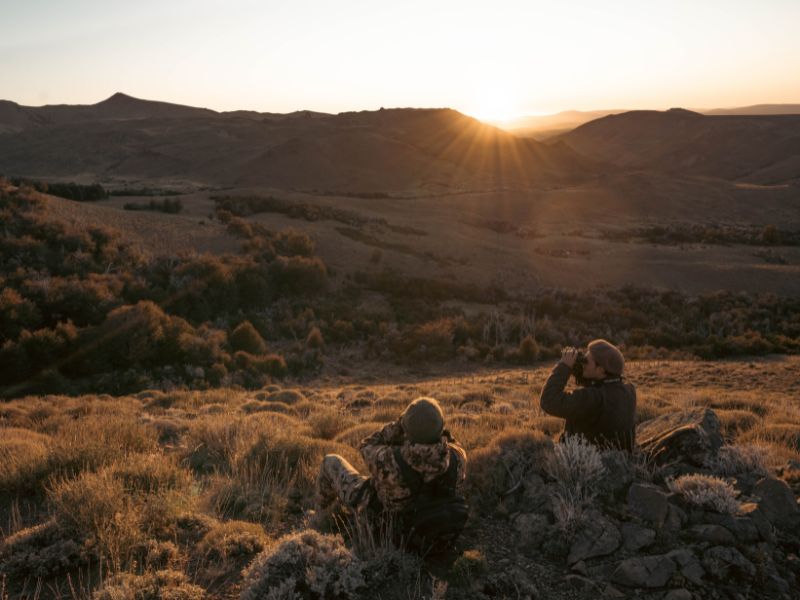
(648, 502)
(722, 562)
(712, 534)
(679, 594)
(776, 500)
(580, 583)
(692, 436)
(743, 526)
(635, 537)
(531, 528)
(688, 564)
(644, 571)
(753, 513)
(618, 472)
(676, 519)
(597, 537)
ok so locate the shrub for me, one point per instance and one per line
(161, 585)
(39, 552)
(577, 466)
(739, 459)
(304, 565)
(286, 396)
(706, 491)
(353, 435)
(528, 350)
(504, 462)
(328, 423)
(231, 541)
(97, 440)
(314, 339)
(23, 459)
(152, 473)
(247, 339)
(94, 507)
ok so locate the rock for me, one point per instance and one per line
(619, 472)
(716, 535)
(580, 568)
(648, 502)
(597, 537)
(676, 518)
(635, 537)
(536, 496)
(691, 436)
(611, 592)
(777, 501)
(644, 571)
(578, 582)
(531, 528)
(755, 515)
(688, 564)
(722, 562)
(679, 594)
(742, 527)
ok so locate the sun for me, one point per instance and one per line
(492, 105)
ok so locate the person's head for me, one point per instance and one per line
(423, 421)
(603, 359)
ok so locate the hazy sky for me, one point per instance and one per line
(488, 59)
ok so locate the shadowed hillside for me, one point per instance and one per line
(751, 149)
(385, 150)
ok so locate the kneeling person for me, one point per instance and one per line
(604, 411)
(417, 471)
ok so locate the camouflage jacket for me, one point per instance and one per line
(430, 460)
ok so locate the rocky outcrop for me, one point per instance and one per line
(691, 437)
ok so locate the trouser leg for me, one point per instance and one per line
(338, 479)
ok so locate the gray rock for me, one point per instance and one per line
(688, 564)
(597, 537)
(635, 537)
(584, 584)
(648, 502)
(644, 571)
(611, 592)
(679, 594)
(716, 535)
(756, 516)
(776, 500)
(722, 562)
(531, 528)
(691, 436)
(742, 526)
(619, 472)
(676, 518)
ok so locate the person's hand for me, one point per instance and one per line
(569, 355)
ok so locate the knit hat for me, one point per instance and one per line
(423, 421)
(608, 356)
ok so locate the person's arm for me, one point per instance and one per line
(579, 404)
(390, 434)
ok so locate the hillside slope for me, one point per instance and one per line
(385, 150)
(754, 149)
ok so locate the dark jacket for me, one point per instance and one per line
(604, 413)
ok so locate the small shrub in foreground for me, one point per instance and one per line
(161, 585)
(307, 564)
(706, 491)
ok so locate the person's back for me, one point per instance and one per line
(417, 472)
(604, 411)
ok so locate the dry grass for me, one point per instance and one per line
(145, 480)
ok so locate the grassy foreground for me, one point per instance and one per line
(125, 497)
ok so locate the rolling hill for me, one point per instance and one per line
(762, 149)
(395, 150)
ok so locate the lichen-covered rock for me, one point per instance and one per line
(648, 502)
(597, 537)
(692, 437)
(644, 571)
(635, 537)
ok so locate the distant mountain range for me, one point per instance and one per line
(385, 150)
(543, 127)
(403, 150)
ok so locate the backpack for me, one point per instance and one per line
(436, 515)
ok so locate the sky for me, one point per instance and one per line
(493, 60)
